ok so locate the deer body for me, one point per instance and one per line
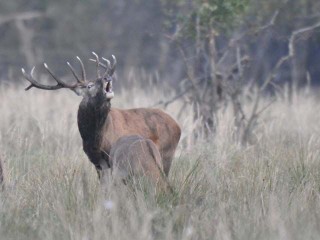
(101, 126)
(135, 156)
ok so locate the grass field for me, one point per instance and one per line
(270, 190)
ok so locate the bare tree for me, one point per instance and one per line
(26, 34)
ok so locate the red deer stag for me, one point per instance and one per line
(134, 156)
(101, 126)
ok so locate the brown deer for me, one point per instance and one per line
(101, 126)
(134, 156)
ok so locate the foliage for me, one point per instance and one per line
(214, 15)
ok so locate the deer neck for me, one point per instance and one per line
(92, 115)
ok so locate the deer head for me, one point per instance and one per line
(100, 87)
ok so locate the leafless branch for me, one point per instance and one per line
(21, 16)
(291, 53)
(173, 99)
(298, 32)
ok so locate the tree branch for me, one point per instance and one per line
(20, 16)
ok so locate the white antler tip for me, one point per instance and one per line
(32, 70)
(45, 65)
(114, 61)
(23, 71)
(106, 60)
(78, 58)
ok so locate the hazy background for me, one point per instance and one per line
(137, 32)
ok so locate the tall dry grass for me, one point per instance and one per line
(270, 190)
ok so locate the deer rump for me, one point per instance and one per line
(135, 156)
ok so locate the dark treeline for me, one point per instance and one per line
(142, 33)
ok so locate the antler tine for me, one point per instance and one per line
(60, 83)
(107, 68)
(35, 84)
(32, 71)
(114, 64)
(74, 72)
(110, 68)
(114, 61)
(31, 74)
(27, 77)
(98, 64)
(107, 61)
(83, 71)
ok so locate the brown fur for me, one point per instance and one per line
(133, 156)
(101, 126)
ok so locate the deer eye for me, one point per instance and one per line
(90, 85)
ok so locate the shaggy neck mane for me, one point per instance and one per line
(92, 115)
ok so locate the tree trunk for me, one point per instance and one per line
(26, 37)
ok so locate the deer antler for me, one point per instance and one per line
(84, 76)
(114, 64)
(60, 83)
(97, 60)
(83, 71)
(74, 73)
(34, 83)
(110, 68)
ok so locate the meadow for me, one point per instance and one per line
(222, 190)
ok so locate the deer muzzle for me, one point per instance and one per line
(109, 91)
